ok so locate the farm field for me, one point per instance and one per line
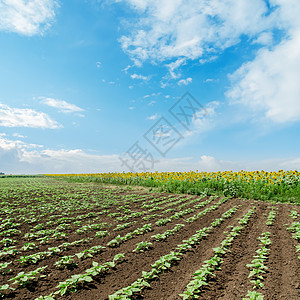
(83, 240)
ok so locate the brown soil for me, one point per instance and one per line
(231, 282)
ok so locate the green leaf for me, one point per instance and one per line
(88, 278)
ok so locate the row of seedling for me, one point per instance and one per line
(176, 216)
(77, 281)
(92, 227)
(258, 268)
(167, 233)
(163, 263)
(139, 231)
(294, 228)
(205, 211)
(271, 217)
(158, 201)
(36, 257)
(23, 280)
(201, 277)
(68, 261)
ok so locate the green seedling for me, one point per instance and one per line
(142, 246)
(72, 284)
(4, 269)
(123, 226)
(25, 279)
(252, 295)
(34, 258)
(101, 234)
(7, 242)
(66, 262)
(257, 283)
(5, 289)
(115, 242)
(294, 214)
(8, 252)
(28, 246)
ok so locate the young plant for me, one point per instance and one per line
(66, 262)
(101, 234)
(72, 284)
(33, 258)
(253, 295)
(8, 252)
(142, 246)
(59, 235)
(28, 246)
(89, 252)
(123, 226)
(3, 268)
(294, 214)
(78, 280)
(115, 242)
(25, 279)
(5, 290)
(140, 231)
(7, 242)
(271, 217)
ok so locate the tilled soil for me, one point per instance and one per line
(231, 282)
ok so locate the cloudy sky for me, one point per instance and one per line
(167, 85)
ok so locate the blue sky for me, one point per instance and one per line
(83, 82)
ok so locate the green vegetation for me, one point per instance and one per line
(281, 186)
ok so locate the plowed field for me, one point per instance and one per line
(44, 220)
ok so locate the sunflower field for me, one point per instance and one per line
(279, 186)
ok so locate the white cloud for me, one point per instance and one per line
(208, 163)
(163, 84)
(204, 121)
(153, 117)
(208, 59)
(126, 68)
(18, 157)
(155, 94)
(20, 136)
(265, 38)
(24, 117)
(131, 107)
(191, 29)
(270, 83)
(173, 66)
(6, 144)
(185, 81)
(98, 64)
(61, 105)
(151, 102)
(138, 76)
(27, 17)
